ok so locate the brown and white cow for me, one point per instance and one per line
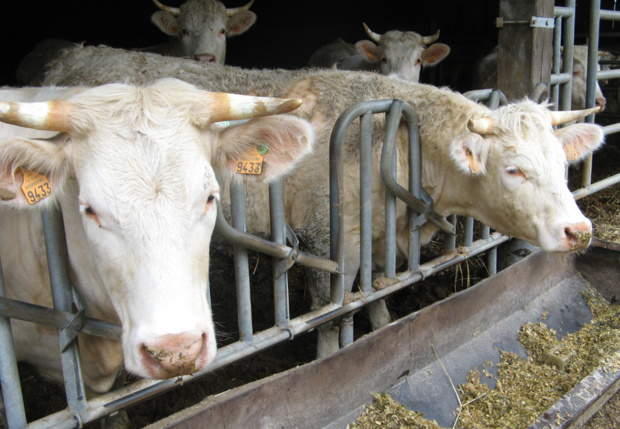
(503, 167)
(400, 54)
(132, 169)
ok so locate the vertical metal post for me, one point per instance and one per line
(9, 375)
(415, 186)
(391, 126)
(366, 203)
(450, 243)
(278, 235)
(568, 41)
(242, 272)
(56, 250)
(595, 23)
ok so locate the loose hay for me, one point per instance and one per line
(525, 387)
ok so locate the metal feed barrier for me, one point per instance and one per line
(284, 250)
(80, 410)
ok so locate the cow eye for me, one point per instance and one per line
(213, 197)
(515, 171)
(90, 213)
(185, 32)
(418, 61)
(222, 32)
(384, 60)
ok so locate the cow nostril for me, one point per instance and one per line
(578, 237)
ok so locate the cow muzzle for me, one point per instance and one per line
(578, 236)
(205, 58)
(175, 355)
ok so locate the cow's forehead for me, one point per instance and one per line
(195, 13)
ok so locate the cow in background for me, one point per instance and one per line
(132, 169)
(504, 167)
(486, 77)
(399, 54)
(198, 30)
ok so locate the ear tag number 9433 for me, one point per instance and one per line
(252, 162)
(36, 187)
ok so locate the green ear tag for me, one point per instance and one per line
(262, 148)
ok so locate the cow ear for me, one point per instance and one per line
(270, 146)
(32, 172)
(579, 140)
(240, 22)
(368, 50)
(166, 22)
(435, 54)
(469, 151)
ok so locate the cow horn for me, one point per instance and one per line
(373, 36)
(430, 39)
(480, 126)
(229, 107)
(173, 10)
(232, 11)
(48, 115)
(562, 117)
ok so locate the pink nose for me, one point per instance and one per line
(601, 101)
(206, 58)
(578, 235)
(174, 355)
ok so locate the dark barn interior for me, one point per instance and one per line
(285, 34)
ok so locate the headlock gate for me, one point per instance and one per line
(68, 316)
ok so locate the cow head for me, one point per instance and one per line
(402, 54)
(580, 67)
(135, 168)
(201, 27)
(514, 163)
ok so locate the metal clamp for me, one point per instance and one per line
(534, 22)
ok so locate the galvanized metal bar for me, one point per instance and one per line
(609, 15)
(58, 319)
(242, 271)
(389, 166)
(232, 235)
(278, 235)
(557, 52)
(593, 34)
(365, 272)
(450, 242)
(14, 409)
(596, 187)
(468, 233)
(62, 296)
(491, 254)
(568, 38)
(415, 184)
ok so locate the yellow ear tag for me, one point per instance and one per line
(36, 187)
(571, 153)
(473, 164)
(252, 162)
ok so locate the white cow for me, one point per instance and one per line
(133, 170)
(504, 167)
(396, 53)
(199, 28)
(486, 77)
